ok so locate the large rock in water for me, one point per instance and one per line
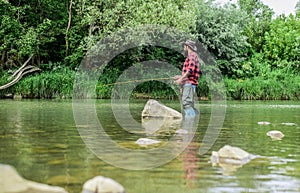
(12, 182)
(230, 158)
(276, 135)
(100, 184)
(159, 119)
(233, 154)
(153, 109)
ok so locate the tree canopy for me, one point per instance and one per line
(246, 38)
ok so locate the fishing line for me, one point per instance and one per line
(136, 81)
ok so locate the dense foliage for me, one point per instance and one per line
(256, 51)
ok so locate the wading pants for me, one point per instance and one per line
(188, 100)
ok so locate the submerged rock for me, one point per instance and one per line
(160, 126)
(182, 131)
(12, 182)
(276, 135)
(100, 184)
(146, 141)
(232, 155)
(230, 158)
(289, 124)
(263, 123)
(159, 119)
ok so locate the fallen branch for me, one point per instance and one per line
(23, 70)
(17, 71)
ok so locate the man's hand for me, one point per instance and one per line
(177, 79)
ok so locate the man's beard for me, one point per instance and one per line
(185, 53)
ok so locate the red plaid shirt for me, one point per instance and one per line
(191, 65)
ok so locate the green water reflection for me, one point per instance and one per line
(41, 140)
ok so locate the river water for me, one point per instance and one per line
(40, 139)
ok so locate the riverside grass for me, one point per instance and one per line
(59, 84)
(260, 88)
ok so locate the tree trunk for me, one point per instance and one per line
(68, 27)
(3, 57)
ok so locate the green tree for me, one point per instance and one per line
(10, 30)
(94, 20)
(297, 9)
(32, 27)
(282, 42)
(220, 29)
(259, 17)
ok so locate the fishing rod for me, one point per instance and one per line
(137, 81)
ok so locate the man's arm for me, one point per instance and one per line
(178, 79)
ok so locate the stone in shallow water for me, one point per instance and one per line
(155, 109)
(274, 134)
(234, 155)
(182, 131)
(12, 182)
(100, 184)
(146, 141)
(160, 126)
(158, 119)
(263, 123)
(230, 158)
(289, 124)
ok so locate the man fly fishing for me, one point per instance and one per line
(189, 77)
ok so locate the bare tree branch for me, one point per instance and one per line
(16, 72)
(23, 70)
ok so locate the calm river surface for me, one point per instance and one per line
(40, 139)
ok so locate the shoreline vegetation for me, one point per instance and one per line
(59, 84)
(257, 52)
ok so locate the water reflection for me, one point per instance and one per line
(190, 161)
(40, 139)
(189, 157)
